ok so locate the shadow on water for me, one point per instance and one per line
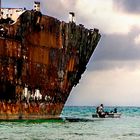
(71, 119)
(58, 120)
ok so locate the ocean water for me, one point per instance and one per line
(125, 128)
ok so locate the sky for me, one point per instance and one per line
(113, 72)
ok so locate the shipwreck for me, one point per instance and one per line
(41, 60)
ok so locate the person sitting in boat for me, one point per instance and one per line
(100, 111)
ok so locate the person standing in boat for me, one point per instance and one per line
(100, 111)
(115, 110)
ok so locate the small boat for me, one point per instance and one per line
(108, 115)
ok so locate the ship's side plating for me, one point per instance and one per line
(41, 59)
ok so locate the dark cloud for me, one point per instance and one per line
(130, 6)
(115, 50)
(117, 47)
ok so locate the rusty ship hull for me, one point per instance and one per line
(41, 60)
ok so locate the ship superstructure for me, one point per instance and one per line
(41, 60)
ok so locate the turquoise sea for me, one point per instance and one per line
(125, 128)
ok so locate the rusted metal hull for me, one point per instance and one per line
(32, 110)
(41, 60)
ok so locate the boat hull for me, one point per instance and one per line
(109, 115)
(41, 60)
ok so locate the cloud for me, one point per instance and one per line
(117, 51)
(112, 87)
(137, 40)
(18, 3)
(130, 6)
(100, 14)
(117, 47)
(112, 65)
